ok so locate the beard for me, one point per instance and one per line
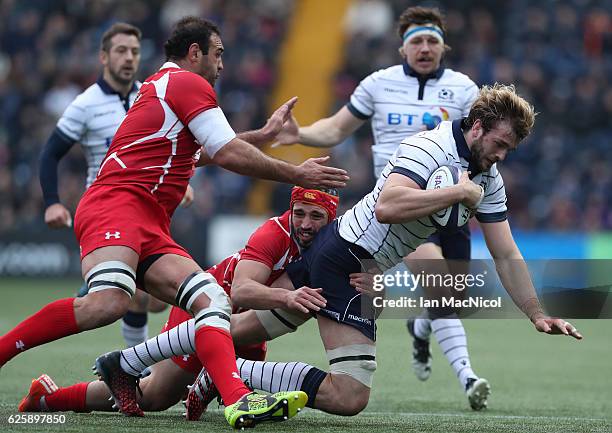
(121, 79)
(477, 155)
(301, 242)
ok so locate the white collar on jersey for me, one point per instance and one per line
(169, 65)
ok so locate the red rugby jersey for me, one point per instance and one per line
(158, 142)
(271, 244)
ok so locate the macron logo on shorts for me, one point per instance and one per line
(108, 235)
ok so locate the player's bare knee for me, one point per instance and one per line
(357, 401)
(201, 294)
(352, 370)
(350, 396)
(102, 308)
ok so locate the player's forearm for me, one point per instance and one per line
(322, 133)
(514, 275)
(255, 137)
(242, 158)
(56, 147)
(47, 174)
(401, 204)
(256, 296)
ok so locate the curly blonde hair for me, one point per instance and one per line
(500, 102)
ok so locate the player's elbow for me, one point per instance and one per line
(224, 157)
(383, 211)
(240, 297)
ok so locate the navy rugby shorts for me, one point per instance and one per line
(327, 264)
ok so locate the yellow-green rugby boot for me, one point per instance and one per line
(255, 408)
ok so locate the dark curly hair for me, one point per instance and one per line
(187, 31)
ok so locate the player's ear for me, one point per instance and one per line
(103, 56)
(401, 52)
(477, 130)
(194, 52)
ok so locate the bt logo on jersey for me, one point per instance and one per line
(400, 118)
(429, 119)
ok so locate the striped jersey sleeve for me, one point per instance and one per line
(493, 207)
(361, 104)
(417, 157)
(73, 123)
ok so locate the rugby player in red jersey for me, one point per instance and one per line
(122, 223)
(247, 277)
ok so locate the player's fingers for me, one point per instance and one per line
(558, 327)
(572, 331)
(281, 113)
(542, 326)
(320, 159)
(334, 171)
(291, 102)
(334, 178)
(575, 333)
(309, 305)
(317, 302)
(298, 306)
(316, 295)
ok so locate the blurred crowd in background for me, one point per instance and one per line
(558, 53)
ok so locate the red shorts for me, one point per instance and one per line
(126, 215)
(191, 363)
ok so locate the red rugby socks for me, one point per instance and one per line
(215, 350)
(72, 398)
(54, 321)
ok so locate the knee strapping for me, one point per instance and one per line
(279, 322)
(218, 312)
(111, 275)
(357, 361)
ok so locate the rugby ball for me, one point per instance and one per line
(453, 216)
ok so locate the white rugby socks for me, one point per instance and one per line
(273, 376)
(451, 337)
(177, 341)
(134, 328)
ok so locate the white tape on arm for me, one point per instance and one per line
(212, 130)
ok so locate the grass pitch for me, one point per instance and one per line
(539, 383)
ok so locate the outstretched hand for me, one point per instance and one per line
(289, 134)
(274, 124)
(312, 173)
(556, 326)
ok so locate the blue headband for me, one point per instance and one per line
(434, 31)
